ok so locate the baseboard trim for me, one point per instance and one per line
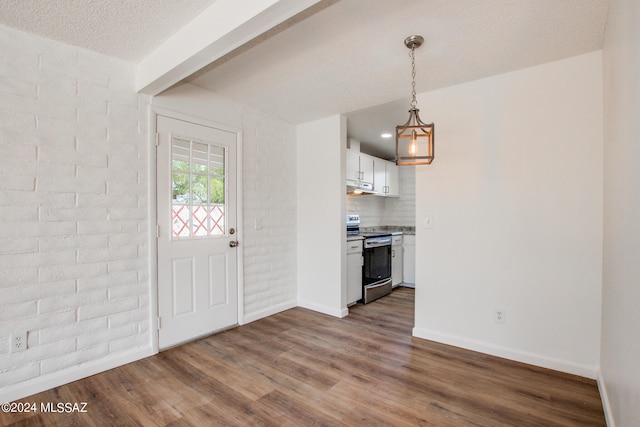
(606, 405)
(582, 370)
(36, 385)
(269, 311)
(324, 309)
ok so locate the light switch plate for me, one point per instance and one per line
(428, 222)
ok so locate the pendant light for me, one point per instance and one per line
(414, 139)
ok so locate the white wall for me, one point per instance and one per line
(620, 350)
(270, 206)
(268, 192)
(321, 215)
(73, 206)
(515, 201)
(197, 102)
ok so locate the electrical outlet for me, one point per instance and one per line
(18, 341)
(499, 315)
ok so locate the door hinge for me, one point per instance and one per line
(157, 231)
(159, 323)
(157, 139)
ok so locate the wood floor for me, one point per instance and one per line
(302, 368)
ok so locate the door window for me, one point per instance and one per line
(198, 189)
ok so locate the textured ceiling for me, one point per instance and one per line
(349, 55)
(126, 29)
(340, 56)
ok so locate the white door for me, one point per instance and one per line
(197, 258)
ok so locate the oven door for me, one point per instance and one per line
(377, 264)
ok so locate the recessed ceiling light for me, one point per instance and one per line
(386, 135)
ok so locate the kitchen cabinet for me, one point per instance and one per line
(386, 181)
(409, 261)
(359, 167)
(353, 167)
(354, 271)
(397, 266)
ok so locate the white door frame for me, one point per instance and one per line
(154, 112)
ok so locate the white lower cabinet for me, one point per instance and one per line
(409, 261)
(354, 271)
(397, 266)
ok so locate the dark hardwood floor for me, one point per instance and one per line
(302, 368)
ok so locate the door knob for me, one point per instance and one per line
(233, 243)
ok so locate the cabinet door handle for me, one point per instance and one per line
(393, 253)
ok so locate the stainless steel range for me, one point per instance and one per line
(376, 269)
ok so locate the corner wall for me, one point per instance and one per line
(620, 349)
(74, 266)
(74, 210)
(270, 204)
(515, 202)
(322, 273)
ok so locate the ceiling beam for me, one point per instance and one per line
(221, 28)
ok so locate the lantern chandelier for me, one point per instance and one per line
(414, 139)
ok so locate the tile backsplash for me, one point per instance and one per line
(395, 211)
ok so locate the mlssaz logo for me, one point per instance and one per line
(66, 408)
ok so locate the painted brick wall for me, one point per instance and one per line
(73, 207)
(269, 186)
(269, 195)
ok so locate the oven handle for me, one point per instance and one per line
(371, 243)
(386, 282)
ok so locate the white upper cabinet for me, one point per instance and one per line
(386, 181)
(359, 167)
(353, 166)
(366, 168)
(380, 176)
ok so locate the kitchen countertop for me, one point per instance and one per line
(393, 229)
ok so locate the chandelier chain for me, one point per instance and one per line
(414, 102)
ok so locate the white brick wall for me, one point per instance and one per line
(73, 207)
(269, 187)
(269, 195)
